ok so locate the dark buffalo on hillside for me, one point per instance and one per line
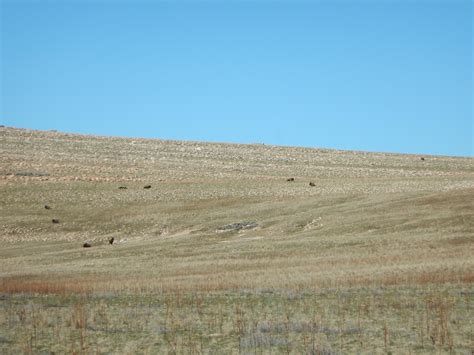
(312, 184)
(111, 240)
(47, 207)
(147, 187)
(422, 158)
(290, 179)
(122, 187)
(55, 221)
(86, 245)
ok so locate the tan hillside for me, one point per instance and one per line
(222, 219)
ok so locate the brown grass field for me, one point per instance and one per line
(377, 257)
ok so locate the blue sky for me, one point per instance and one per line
(362, 75)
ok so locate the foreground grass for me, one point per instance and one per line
(375, 320)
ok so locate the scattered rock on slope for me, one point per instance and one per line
(238, 226)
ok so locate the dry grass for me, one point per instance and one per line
(362, 320)
(379, 225)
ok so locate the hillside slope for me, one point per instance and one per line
(371, 217)
(221, 254)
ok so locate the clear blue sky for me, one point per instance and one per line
(389, 75)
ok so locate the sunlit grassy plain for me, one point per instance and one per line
(377, 257)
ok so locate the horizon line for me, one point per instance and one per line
(95, 135)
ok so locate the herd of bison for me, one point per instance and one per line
(111, 240)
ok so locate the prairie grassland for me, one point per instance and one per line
(223, 254)
(355, 320)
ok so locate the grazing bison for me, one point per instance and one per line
(422, 158)
(55, 221)
(147, 187)
(111, 240)
(312, 184)
(122, 187)
(47, 207)
(290, 179)
(86, 245)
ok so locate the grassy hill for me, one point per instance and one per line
(223, 254)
